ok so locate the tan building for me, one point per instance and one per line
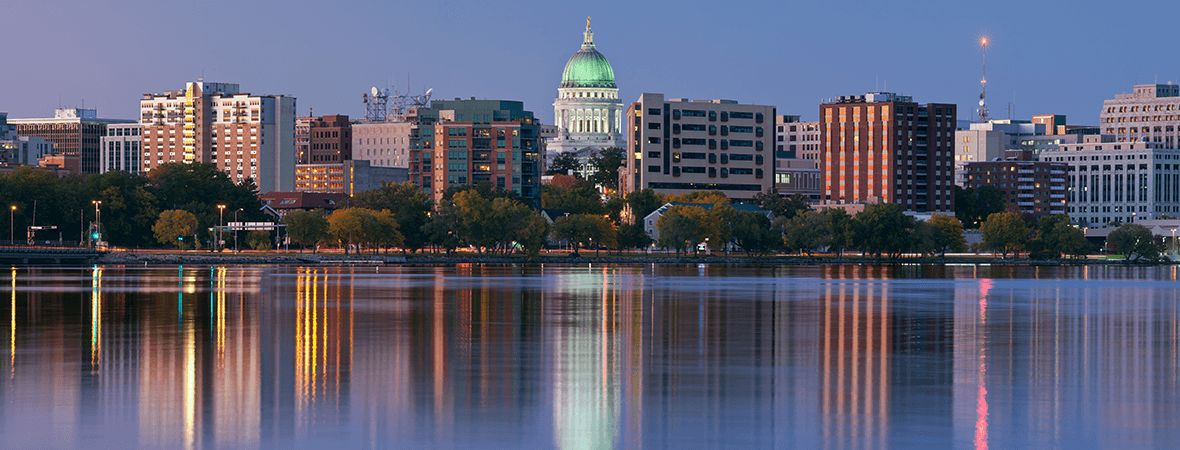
(247, 136)
(75, 134)
(347, 177)
(1150, 114)
(680, 146)
(797, 139)
(798, 177)
(382, 144)
(885, 145)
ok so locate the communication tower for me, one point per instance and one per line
(983, 116)
(383, 105)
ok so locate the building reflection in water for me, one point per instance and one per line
(592, 357)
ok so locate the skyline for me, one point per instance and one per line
(317, 54)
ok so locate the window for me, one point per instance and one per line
(693, 169)
(653, 111)
(694, 113)
(653, 169)
(741, 115)
(653, 140)
(690, 141)
(653, 125)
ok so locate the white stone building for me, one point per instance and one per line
(121, 148)
(587, 111)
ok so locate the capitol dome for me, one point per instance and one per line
(588, 68)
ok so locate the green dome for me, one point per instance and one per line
(588, 67)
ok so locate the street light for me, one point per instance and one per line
(98, 221)
(220, 223)
(236, 230)
(11, 224)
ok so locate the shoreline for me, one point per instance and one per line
(134, 258)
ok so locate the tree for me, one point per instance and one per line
(679, 229)
(1065, 239)
(714, 197)
(441, 229)
(306, 228)
(1005, 232)
(882, 228)
(940, 234)
(780, 206)
(972, 205)
(514, 224)
(843, 230)
(632, 236)
(173, 225)
(606, 164)
(643, 202)
(716, 224)
(410, 206)
(565, 164)
(584, 230)
(581, 198)
(474, 214)
(809, 231)
(752, 232)
(348, 227)
(531, 235)
(1134, 240)
(198, 188)
(383, 230)
(259, 240)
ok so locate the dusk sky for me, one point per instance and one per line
(1062, 57)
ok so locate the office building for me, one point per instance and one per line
(587, 111)
(1149, 114)
(24, 150)
(465, 142)
(798, 177)
(885, 146)
(347, 177)
(382, 144)
(121, 148)
(1113, 181)
(796, 139)
(679, 146)
(988, 141)
(1036, 187)
(75, 134)
(324, 139)
(250, 137)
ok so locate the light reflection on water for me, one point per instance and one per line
(592, 357)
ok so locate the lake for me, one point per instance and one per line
(591, 357)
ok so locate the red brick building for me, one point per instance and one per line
(329, 140)
(884, 146)
(1036, 187)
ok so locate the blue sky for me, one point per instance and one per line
(1061, 57)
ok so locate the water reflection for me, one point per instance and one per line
(593, 357)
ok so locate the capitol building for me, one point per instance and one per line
(587, 111)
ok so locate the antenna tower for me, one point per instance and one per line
(383, 105)
(983, 83)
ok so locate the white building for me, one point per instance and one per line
(1150, 114)
(1119, 182)
(587, 111)
(382, 144)
(121, 148)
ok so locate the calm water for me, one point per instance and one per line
(590, 357)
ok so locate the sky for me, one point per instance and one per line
(1051, 57)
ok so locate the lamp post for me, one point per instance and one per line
(11, 223)
(97, 220)
(1173, 241)
(236, 230)
(220, 223)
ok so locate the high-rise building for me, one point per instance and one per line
(24, 150)
(1111, 181)
(75, 134)
(382, 144)
(329, 139)
(121, 149)
(587, 111)
(885, 146)
(464, 142)
(1150, 114)
(680, 146)
(247, 136)
(797, 139)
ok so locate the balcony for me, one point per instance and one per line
(1057, 172)
(1057, 188)
(1057, 180)
(1024, 203)
(1026, 171)
(1058, 196)
(1025, 195)
(1025, 180)
(1025, 187)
